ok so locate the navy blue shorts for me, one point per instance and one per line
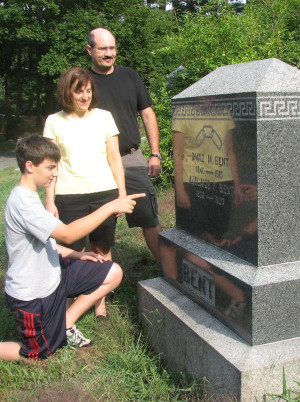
(42, 322)
(145, 213)
(74, 206)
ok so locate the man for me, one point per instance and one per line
(121, 91)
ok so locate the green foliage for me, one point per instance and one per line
(217, 36)
(40, 39)
(69, 39)
(189, 6)
(140, 32)
(162, 102)
(214, 36)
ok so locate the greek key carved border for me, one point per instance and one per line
(260, 108)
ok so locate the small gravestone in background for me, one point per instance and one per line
(235, 248)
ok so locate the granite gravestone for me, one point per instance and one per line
(235, 248)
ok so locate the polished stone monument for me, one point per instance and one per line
(231, 266)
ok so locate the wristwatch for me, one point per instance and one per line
(156, 155)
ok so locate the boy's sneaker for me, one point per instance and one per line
(76, 339)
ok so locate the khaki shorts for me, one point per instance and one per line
(145, 213)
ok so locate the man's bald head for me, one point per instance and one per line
(102, 49)
(98, 33)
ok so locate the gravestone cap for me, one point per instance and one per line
(268, 75)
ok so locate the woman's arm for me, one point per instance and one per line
(115, 163)
(49, 133)
(50, 195)
(49, 199)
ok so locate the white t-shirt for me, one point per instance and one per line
(33, 263)
(83, 167)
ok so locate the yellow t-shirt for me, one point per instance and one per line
(204, 157)
(83, 167)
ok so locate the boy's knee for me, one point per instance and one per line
(116, 272)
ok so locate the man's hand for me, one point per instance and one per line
(154, 167)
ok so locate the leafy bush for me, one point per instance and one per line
(215, 36)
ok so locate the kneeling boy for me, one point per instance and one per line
(41, 274)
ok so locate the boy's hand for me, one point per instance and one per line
(79, 255)
(125, 205)
(91, 256)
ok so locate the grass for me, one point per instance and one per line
(288, 395)
(120, 366)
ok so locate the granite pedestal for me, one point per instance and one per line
(234, 255)
(189, 339)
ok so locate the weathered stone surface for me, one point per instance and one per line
(235, 250)
(240, 133)
(188, 338)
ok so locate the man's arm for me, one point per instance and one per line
(151, 127)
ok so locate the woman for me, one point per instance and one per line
(90, 171)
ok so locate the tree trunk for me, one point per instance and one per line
(50, 98)
(38, 111)
(8, 100)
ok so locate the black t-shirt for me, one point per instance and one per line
(123, 94)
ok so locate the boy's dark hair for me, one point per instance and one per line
(35, 149)
(67, 80)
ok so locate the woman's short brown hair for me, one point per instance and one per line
(67, 80)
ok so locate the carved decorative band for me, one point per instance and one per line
(238, 109)
(279, 108)
(285, 107)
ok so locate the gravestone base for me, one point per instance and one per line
(259, 304)
(189, 339)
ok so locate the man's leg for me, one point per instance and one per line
(84, 302)
(145, 213)
(151, 237)
(9, 351)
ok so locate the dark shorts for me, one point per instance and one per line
(42, 322)
(145, 213)
(74, 206)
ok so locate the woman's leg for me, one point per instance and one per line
(100, 309)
